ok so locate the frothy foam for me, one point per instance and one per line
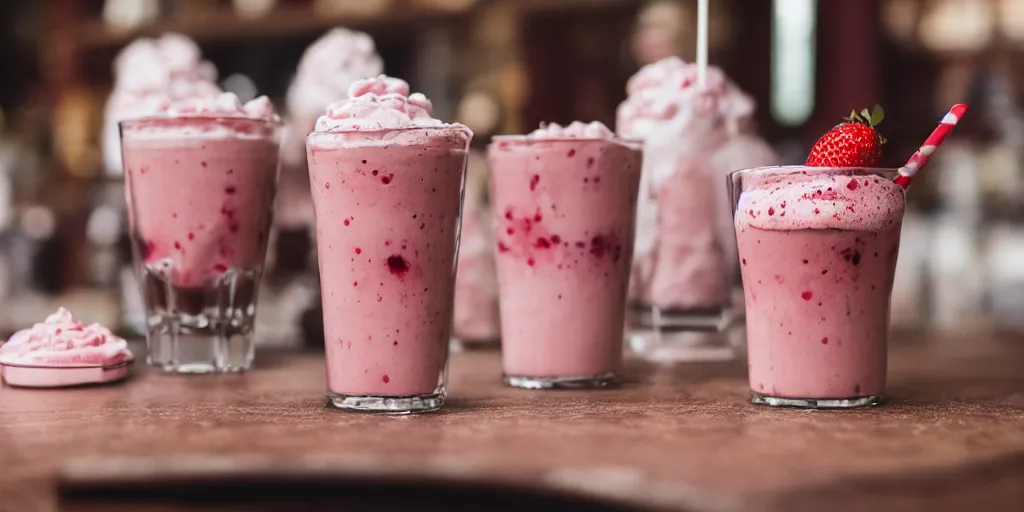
(574, 130)
(218, 117)
(223, 105)
(381, 103)
(63, 341)
(809, 200)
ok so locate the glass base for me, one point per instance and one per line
(681, 347)
(815, 403)
(386, 404)
(195, 351)
(467, 345)
(711, 319)
(590, 382)
(200, 330)
(673, 336)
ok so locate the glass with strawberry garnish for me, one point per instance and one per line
(817, 247)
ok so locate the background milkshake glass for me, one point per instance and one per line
(475, 321)
(200, 189)
(683, 293)
(564, 205)
(387, 182)
(818, 250)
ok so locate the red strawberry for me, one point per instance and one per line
(852, 143)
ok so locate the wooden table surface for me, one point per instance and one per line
(683, 437)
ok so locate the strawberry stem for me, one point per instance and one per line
(871, 117)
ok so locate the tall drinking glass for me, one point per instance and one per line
(200, 192)
(388, 206)
(564, 213)
(817, 249)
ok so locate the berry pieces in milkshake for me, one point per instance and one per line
(200, 175)
(818, 249)
(386, 178)
(564, 205)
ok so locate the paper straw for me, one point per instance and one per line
(702, 44)
(920, 158)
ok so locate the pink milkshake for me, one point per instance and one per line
(564, 203)
(387, 182)
(683, 272)
(818, 249)
(200, 189)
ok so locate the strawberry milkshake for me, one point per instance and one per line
(817, 248)
(200, 180)
(62, 351)
(682, 276)
(564, 205)
(387, 181)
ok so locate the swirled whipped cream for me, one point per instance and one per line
(574, 130)
(63, 341)
(381, 103)
(664, 95)
(329, 67)
(811, 200)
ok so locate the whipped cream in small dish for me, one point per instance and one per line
(63, 351)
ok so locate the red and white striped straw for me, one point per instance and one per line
(920, 158)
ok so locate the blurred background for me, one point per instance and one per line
(503, 66)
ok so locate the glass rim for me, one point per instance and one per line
(568, 140)
(441, 127)
(275, 122)
(789, 169)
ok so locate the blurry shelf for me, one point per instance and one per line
(224, 25)
(571, 5)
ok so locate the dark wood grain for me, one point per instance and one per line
(680, 437)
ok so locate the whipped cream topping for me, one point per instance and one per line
(574, 130)
(381, 103)
(665, 93)
(810, 200)
(329, 67)
(63, 341)
(155, 64)
(128, 104)
(224, 104)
